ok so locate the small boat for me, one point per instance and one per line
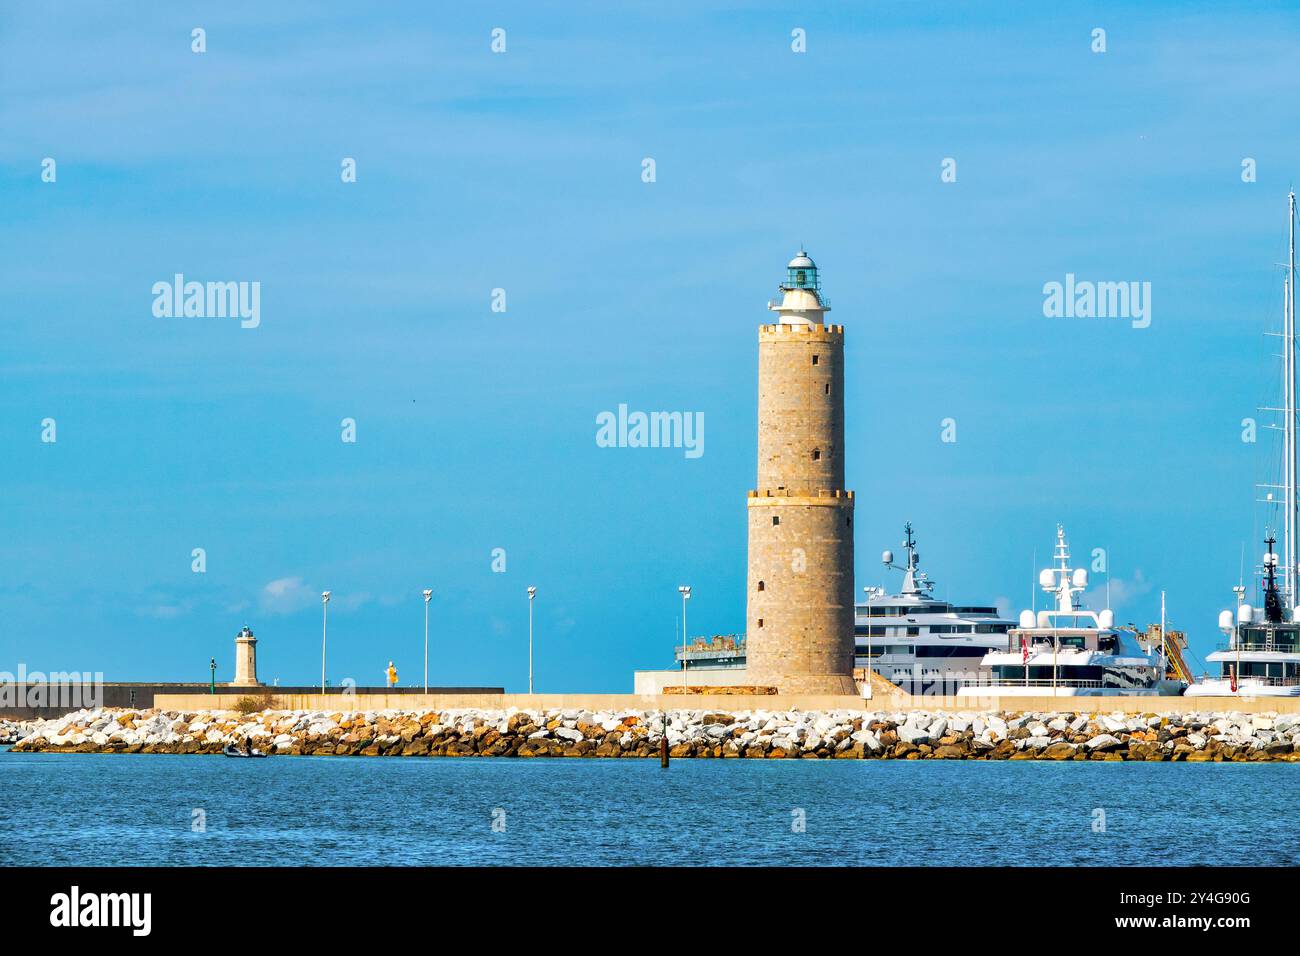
(233, 751)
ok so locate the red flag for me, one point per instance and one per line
(1024, 649)
(1232, 678)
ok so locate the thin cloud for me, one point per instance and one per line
(286, 596)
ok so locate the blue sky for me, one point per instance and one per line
(522, 171)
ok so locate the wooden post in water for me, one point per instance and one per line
(663, 744)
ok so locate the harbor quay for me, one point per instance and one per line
(45, 696)
(1171, 732)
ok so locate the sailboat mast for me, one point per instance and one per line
(1290, 404)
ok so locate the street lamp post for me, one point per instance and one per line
(532, 593)
(686, 596)
(325, 616)
(212, 666)
(428, 593)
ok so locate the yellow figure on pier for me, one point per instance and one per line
(392, 675)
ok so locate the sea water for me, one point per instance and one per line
(109, 809)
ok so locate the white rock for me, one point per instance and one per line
(867, 738)
(913, 735)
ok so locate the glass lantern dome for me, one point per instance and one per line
(801, 273)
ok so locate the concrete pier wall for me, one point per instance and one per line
(382, 701)
(192, 697)
(738, 702)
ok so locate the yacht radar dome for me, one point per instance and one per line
(916, 583)
(1062, 581)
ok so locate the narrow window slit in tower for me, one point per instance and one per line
(817, 454)
(760, 622)
(776, 519)
(814, 359)
(760, 586)
(828, 388)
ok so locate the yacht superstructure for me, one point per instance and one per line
(922, 644)
(1069, 650)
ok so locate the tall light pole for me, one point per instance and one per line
(325, 617)
(532, 593)
(686, 596)
(428, 593)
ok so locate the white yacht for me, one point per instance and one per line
(1262, 655)
(1068, 650)
(924, 645)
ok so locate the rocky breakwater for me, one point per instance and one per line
(914, 735)
(12, 731)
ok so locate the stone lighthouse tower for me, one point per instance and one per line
(799, 621)
(245, 658)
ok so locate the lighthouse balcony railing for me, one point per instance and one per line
(780, 300)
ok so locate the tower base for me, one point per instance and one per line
(836, 685)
